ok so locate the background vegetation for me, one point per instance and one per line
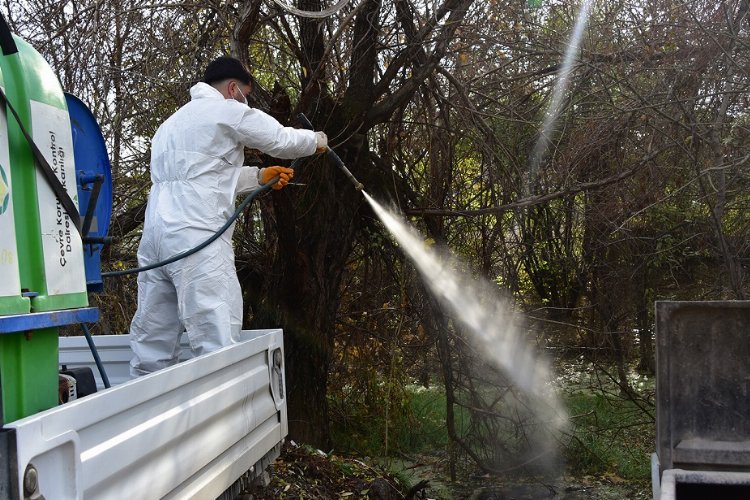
(436, 106)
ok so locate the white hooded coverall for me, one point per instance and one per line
(196, 173)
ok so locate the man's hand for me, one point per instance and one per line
(284, 174)
(322, 142)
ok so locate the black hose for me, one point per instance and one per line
(95, 353)
(248, 199)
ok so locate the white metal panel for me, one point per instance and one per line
(655, 476)
(188, 431)
(115, 353)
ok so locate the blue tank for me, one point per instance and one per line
(94, 180)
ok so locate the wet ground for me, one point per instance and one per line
(303, 472)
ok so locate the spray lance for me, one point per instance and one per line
(241, 208)
(333, 156)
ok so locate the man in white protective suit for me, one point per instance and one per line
(197, 171)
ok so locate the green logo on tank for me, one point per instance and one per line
(4, 191)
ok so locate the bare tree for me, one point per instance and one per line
(436, 105)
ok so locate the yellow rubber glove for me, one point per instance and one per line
(284, 174)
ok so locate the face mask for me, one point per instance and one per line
(242, 99)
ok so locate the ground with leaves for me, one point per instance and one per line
(304, 472)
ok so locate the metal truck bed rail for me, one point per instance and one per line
(188, 431)
(702, 400)
(115, 353)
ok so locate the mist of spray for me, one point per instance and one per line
(544, 140)
(477, 306)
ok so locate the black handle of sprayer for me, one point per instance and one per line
(331, 154)
(7, 44)
(305, 122)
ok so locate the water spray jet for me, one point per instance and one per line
(489, 321)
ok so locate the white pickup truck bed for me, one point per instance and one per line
(189, 431)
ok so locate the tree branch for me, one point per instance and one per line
(536, 200)
(383, 110)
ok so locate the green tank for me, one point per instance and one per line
(44, 252)
(11, 300)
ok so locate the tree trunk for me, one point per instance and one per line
(315, 226)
